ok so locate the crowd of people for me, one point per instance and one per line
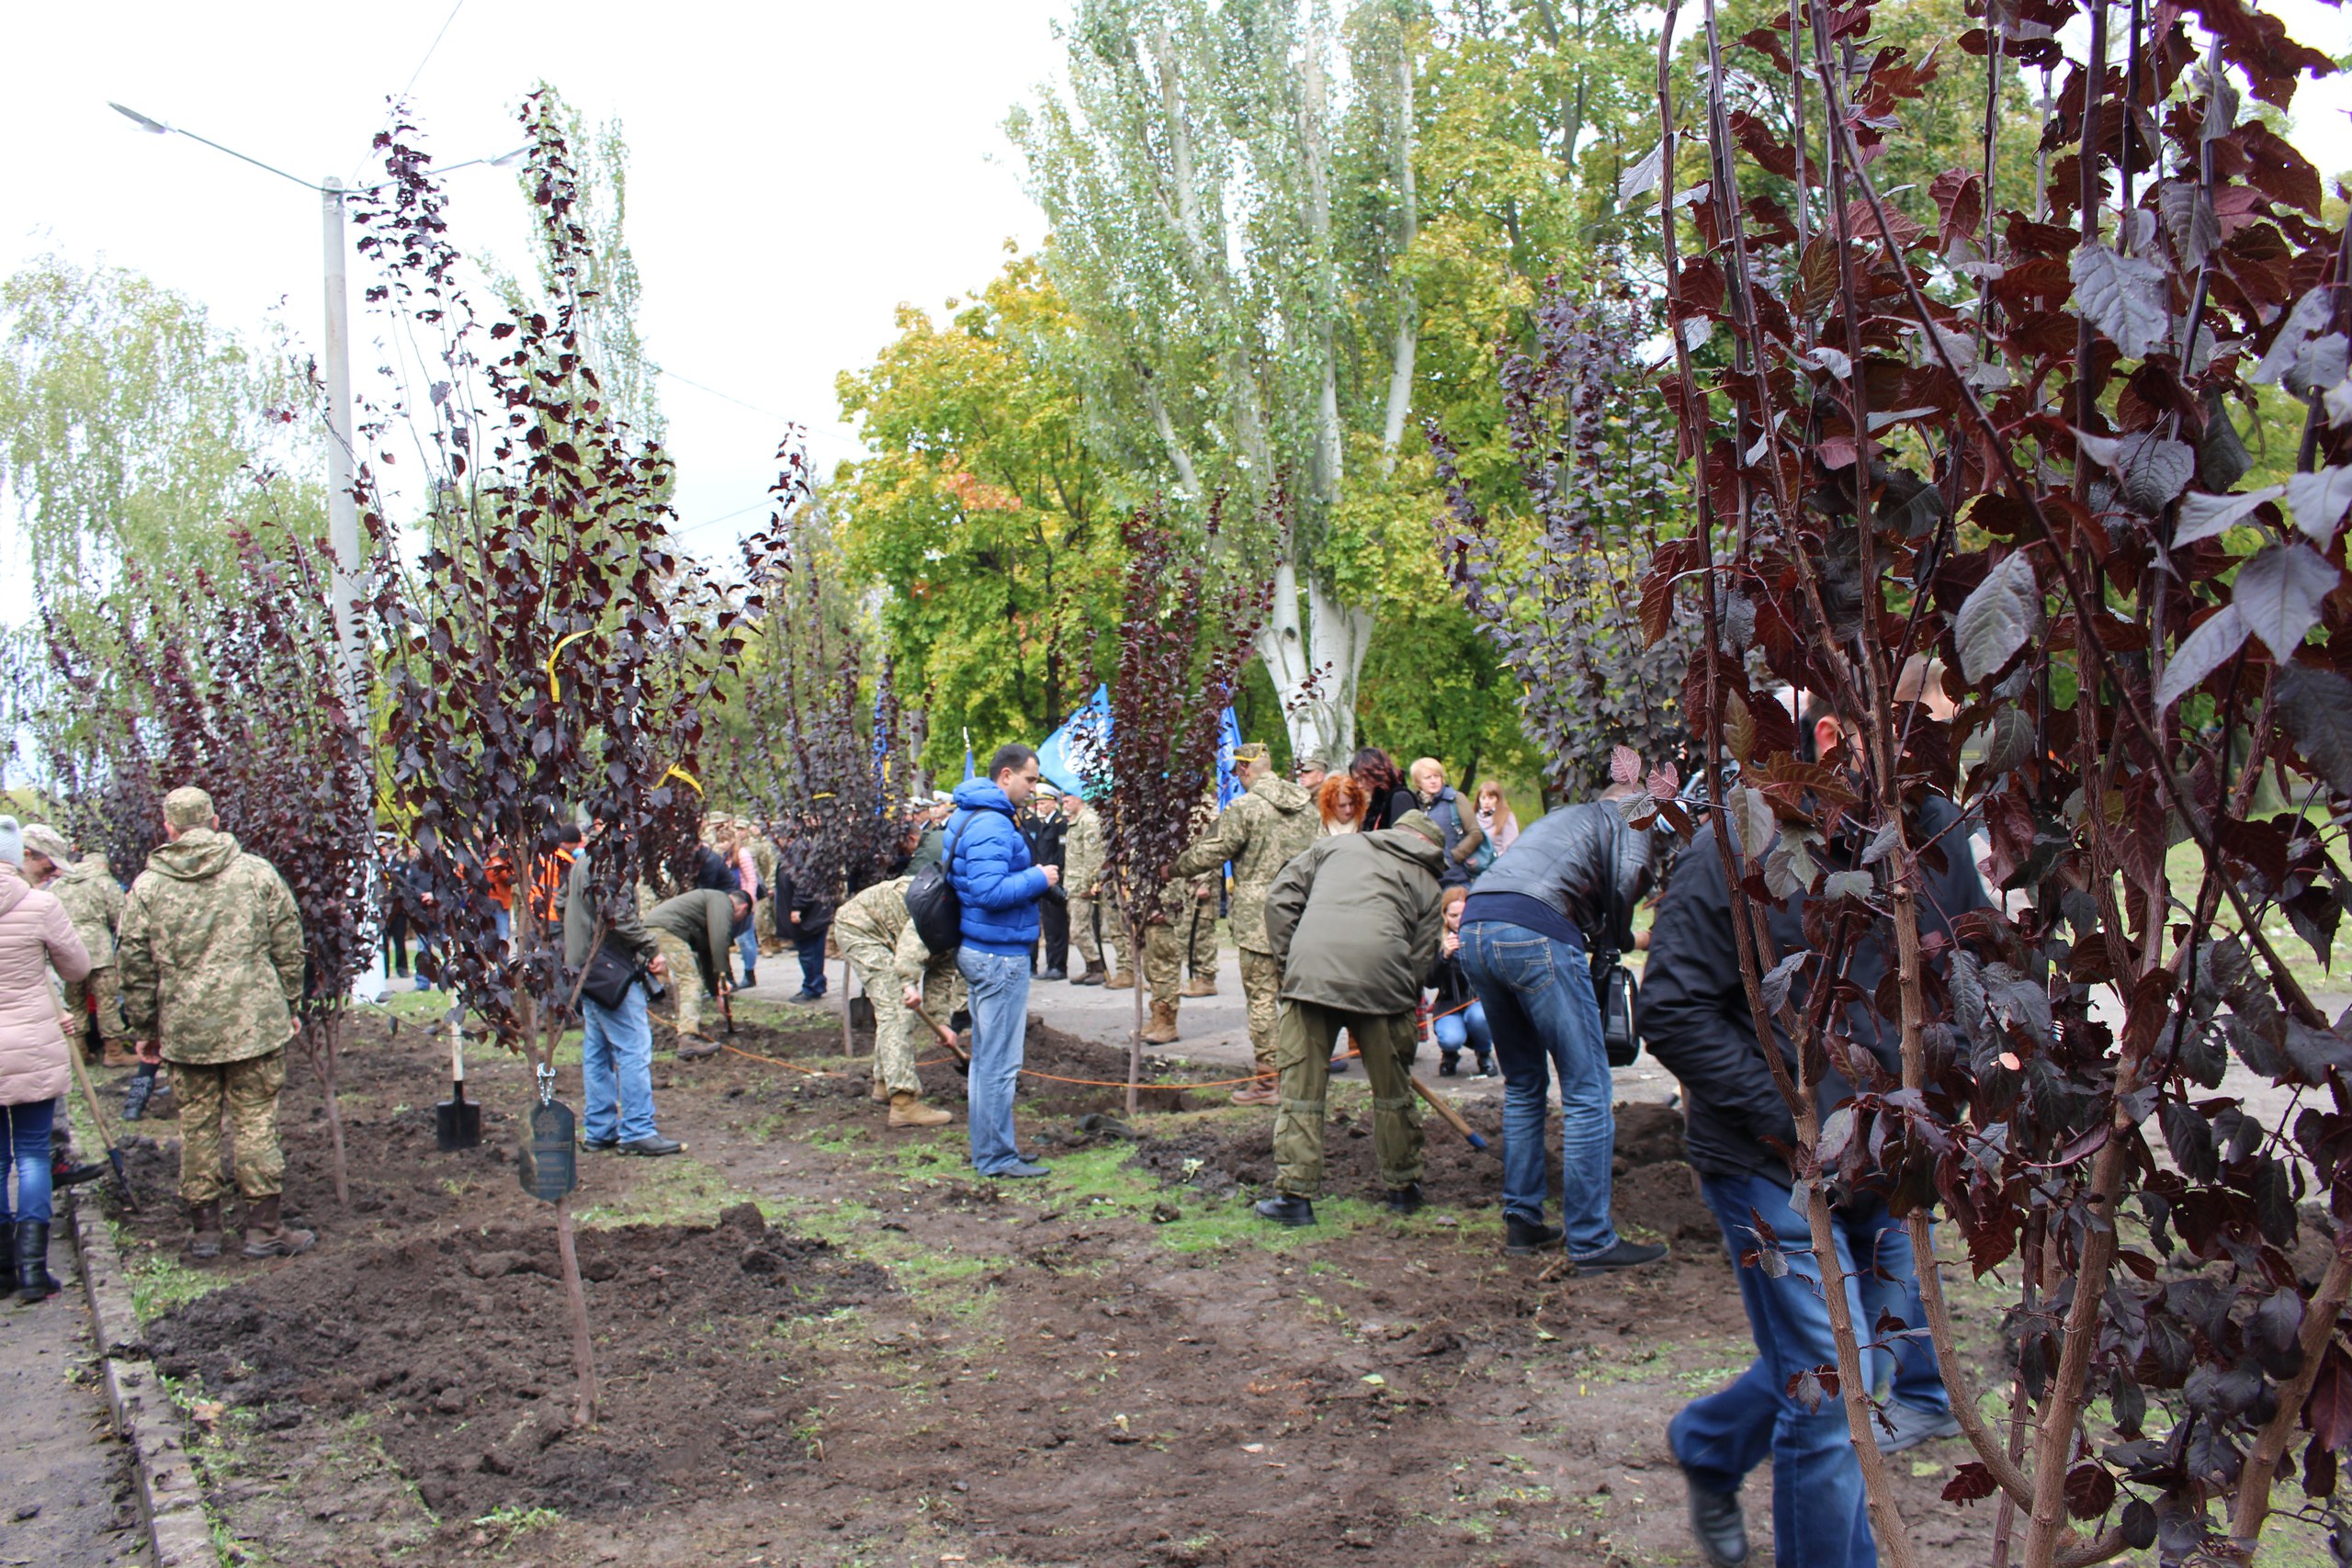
(1371, 909)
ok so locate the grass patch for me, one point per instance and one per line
(676, 1190)
(160, 1283)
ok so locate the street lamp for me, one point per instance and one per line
(342, 507)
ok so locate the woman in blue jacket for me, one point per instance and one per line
(998, 887)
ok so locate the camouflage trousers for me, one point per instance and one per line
(685, 979)
(247, 1091)
(100, 985)
(1303, 1056)
(1261, 986)
(1082, 928)
(1163, 963)
(1197, 925)
(900, 1036)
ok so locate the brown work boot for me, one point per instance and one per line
(1162, 1031)
(694, 1047)
(879, 1094)
(907, 1110)
(1260, 1091)
(266, 1235)
(1093, 976)
(1123, 980)
(1201, 985)
(117, 1054)
(204, 1226)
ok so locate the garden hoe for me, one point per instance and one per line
(457, 1125)
(98, 1120)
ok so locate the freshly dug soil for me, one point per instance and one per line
(461, 1349)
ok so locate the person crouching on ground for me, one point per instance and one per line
(899, 975)
(35, 934)
(997, 889)
(209, 953)
(1355, 923)
(696, 932)
(1460, 1018)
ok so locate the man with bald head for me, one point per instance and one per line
(209, 953)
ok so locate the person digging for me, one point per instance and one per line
(899, 975)
(209, 958)
(695, 931)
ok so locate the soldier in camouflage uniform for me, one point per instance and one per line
(1199, 941)
(1082, 852)
(210, 953)
(1171, 936)
(883, 945)
(93, 901)
(1270, 823)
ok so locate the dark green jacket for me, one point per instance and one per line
(705, 920)
(1355, 921)
(627, 932)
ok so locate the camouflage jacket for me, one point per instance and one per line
(93, 901)
(880, 912)
(1083, 855)
(1259, 834)
(210, 952)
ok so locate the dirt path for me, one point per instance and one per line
(68, 1493)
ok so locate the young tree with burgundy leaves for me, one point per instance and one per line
(1185, 630)
(2016, 443)
(550, 651)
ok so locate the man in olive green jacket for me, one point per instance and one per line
(1267, 826)
(1355, 923)
(209, 953)
(696, 932)
(1082, 857)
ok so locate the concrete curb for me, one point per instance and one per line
(169, 1497)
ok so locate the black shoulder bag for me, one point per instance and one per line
(1613, 985)
(932, 903)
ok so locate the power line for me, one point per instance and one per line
(429, 51)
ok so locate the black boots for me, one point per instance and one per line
(1286, 1210)
(1522, 1236)
(64, 1172)
(35, 1284)
(1717, 1525)
(1405, 1199)
(204, 1230)
(142, 1088)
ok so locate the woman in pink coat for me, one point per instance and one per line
(35, 935)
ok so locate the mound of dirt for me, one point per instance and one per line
(457, 1349)
(1653, 1188)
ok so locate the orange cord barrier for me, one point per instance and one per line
(1347, 1054)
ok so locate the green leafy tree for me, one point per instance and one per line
(980, 513)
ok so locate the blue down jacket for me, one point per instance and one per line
(995, 882)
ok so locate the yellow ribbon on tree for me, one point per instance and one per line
(555, 692)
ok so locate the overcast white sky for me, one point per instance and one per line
(799, 169)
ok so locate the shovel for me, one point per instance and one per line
(955, 1048)
(457, 1125)
(1445, 1109)
(98, 1120)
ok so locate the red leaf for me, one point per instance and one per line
(2328, 1411)
(1970, 1483)
(1625, 765)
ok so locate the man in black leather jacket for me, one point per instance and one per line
(1694, 1016)
(1565, 888)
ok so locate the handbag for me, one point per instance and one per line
(1613, 985)
(609, 977)
(932, 902)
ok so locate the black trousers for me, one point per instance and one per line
(1053, 933)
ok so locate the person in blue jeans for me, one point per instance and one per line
(1567, 884)
(998, 887)
(1694, 1017)
(1458, 1017)
(617, 1045)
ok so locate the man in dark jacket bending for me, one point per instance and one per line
(1354, 923)
(1694, 1014)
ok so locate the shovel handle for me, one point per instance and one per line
(1445, 1110)
(456, 1054)
(98, 1120)
(952, 1045)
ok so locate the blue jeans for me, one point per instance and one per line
(1000, 983)
(811, 949)
(1819, 1511)
(747, 944)
(1468, 1027)
(1538, 996)
(24, 1138)
(617, 1067)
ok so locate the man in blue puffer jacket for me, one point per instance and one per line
(988, 861)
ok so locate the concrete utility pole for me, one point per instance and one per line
(343, 469)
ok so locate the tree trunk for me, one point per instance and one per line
(848, 1039)
(1135, 1040)
(584, 1350)
(330, 1033)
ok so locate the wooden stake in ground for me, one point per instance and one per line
(584, 1351)
(323, 1042)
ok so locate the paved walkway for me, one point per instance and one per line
(66, 1498)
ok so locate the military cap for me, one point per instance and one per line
(1313, 759)
(188, 807)
(1251, 752)
(1422, 823)
(48, 842)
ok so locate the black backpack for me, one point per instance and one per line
(932, 903)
